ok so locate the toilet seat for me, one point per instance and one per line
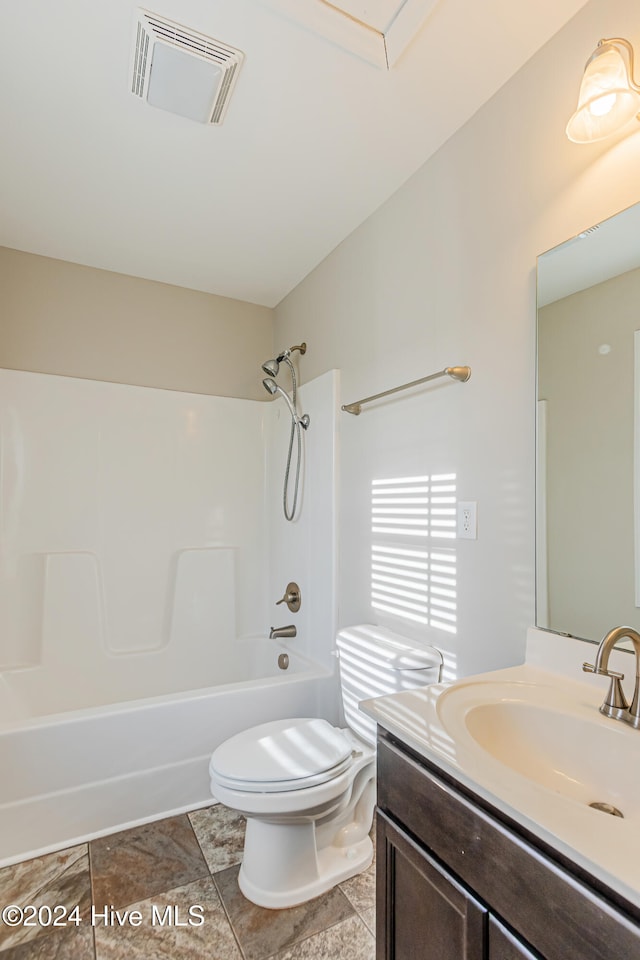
(281, 756)
(280, 786)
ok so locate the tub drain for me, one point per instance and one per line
(607, 808)
(283, 663)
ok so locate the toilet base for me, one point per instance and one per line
(289, 861)
(333, 866)
(301, 843)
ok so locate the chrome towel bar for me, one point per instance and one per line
(456, 373)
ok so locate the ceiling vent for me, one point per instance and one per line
(182, 71)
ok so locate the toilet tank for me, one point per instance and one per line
(375, 661)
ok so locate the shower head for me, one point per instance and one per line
(271, 367)
(272, 387)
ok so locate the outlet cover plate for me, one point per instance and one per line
(467, 520)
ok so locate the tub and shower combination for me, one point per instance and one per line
(136, 600)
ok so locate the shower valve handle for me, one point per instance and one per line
(292, 597)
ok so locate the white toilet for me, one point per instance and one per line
(307, 788)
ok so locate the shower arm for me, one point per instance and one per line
(301, 348)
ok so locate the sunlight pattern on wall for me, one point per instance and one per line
(413, 571)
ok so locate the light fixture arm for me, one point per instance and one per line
(619, 42)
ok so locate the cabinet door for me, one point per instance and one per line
(423, 914)
(503, 945)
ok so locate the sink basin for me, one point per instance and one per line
(586, 761)
(568, 748)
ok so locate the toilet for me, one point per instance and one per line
(307, 788)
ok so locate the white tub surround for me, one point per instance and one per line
(132, 533)
(137, 538)
(305, 550)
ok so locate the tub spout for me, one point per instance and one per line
(276, 633)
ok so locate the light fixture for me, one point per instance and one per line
(609, 96)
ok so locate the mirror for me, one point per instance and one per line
(588, 437)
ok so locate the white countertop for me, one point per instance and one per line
(435, 722)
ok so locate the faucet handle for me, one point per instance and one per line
(292, 597)
(615, 703)
(591, 668)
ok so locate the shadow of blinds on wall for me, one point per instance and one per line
(413, 570)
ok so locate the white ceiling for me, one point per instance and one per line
(317, 135)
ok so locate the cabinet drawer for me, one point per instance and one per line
(553, 911)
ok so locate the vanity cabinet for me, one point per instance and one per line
(457, 881)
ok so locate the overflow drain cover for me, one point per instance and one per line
(607, 808)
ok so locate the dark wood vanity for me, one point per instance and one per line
(457, 880)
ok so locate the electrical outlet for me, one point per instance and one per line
(467, 517)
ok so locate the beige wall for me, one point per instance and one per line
(590, 450)
(62, 318)
(444, 273)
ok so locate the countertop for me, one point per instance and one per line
(431, 721)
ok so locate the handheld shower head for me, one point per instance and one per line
(298, 424)
(272, 387)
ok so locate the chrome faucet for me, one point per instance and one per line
(615, 703)
(276, 633)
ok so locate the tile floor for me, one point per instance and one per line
(142, 883)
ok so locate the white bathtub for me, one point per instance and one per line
(66, 777)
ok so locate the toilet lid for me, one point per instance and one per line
(281, 753)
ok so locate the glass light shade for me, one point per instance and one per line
(608, 97)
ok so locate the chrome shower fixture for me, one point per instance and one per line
(271, 367)
(272, 387)
(298, 424)
(301, 348)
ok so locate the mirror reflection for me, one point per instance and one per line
(588, 464)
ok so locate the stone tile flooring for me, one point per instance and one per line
(169, 890)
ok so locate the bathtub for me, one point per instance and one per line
(70, 776)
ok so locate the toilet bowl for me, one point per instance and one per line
(306, 787)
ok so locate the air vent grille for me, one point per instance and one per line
(140, 61)
(152, 29)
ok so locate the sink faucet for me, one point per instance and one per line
(615, 704)
(281, 632)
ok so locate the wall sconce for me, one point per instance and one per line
(609, 97)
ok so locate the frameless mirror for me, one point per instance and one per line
(588, 462)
